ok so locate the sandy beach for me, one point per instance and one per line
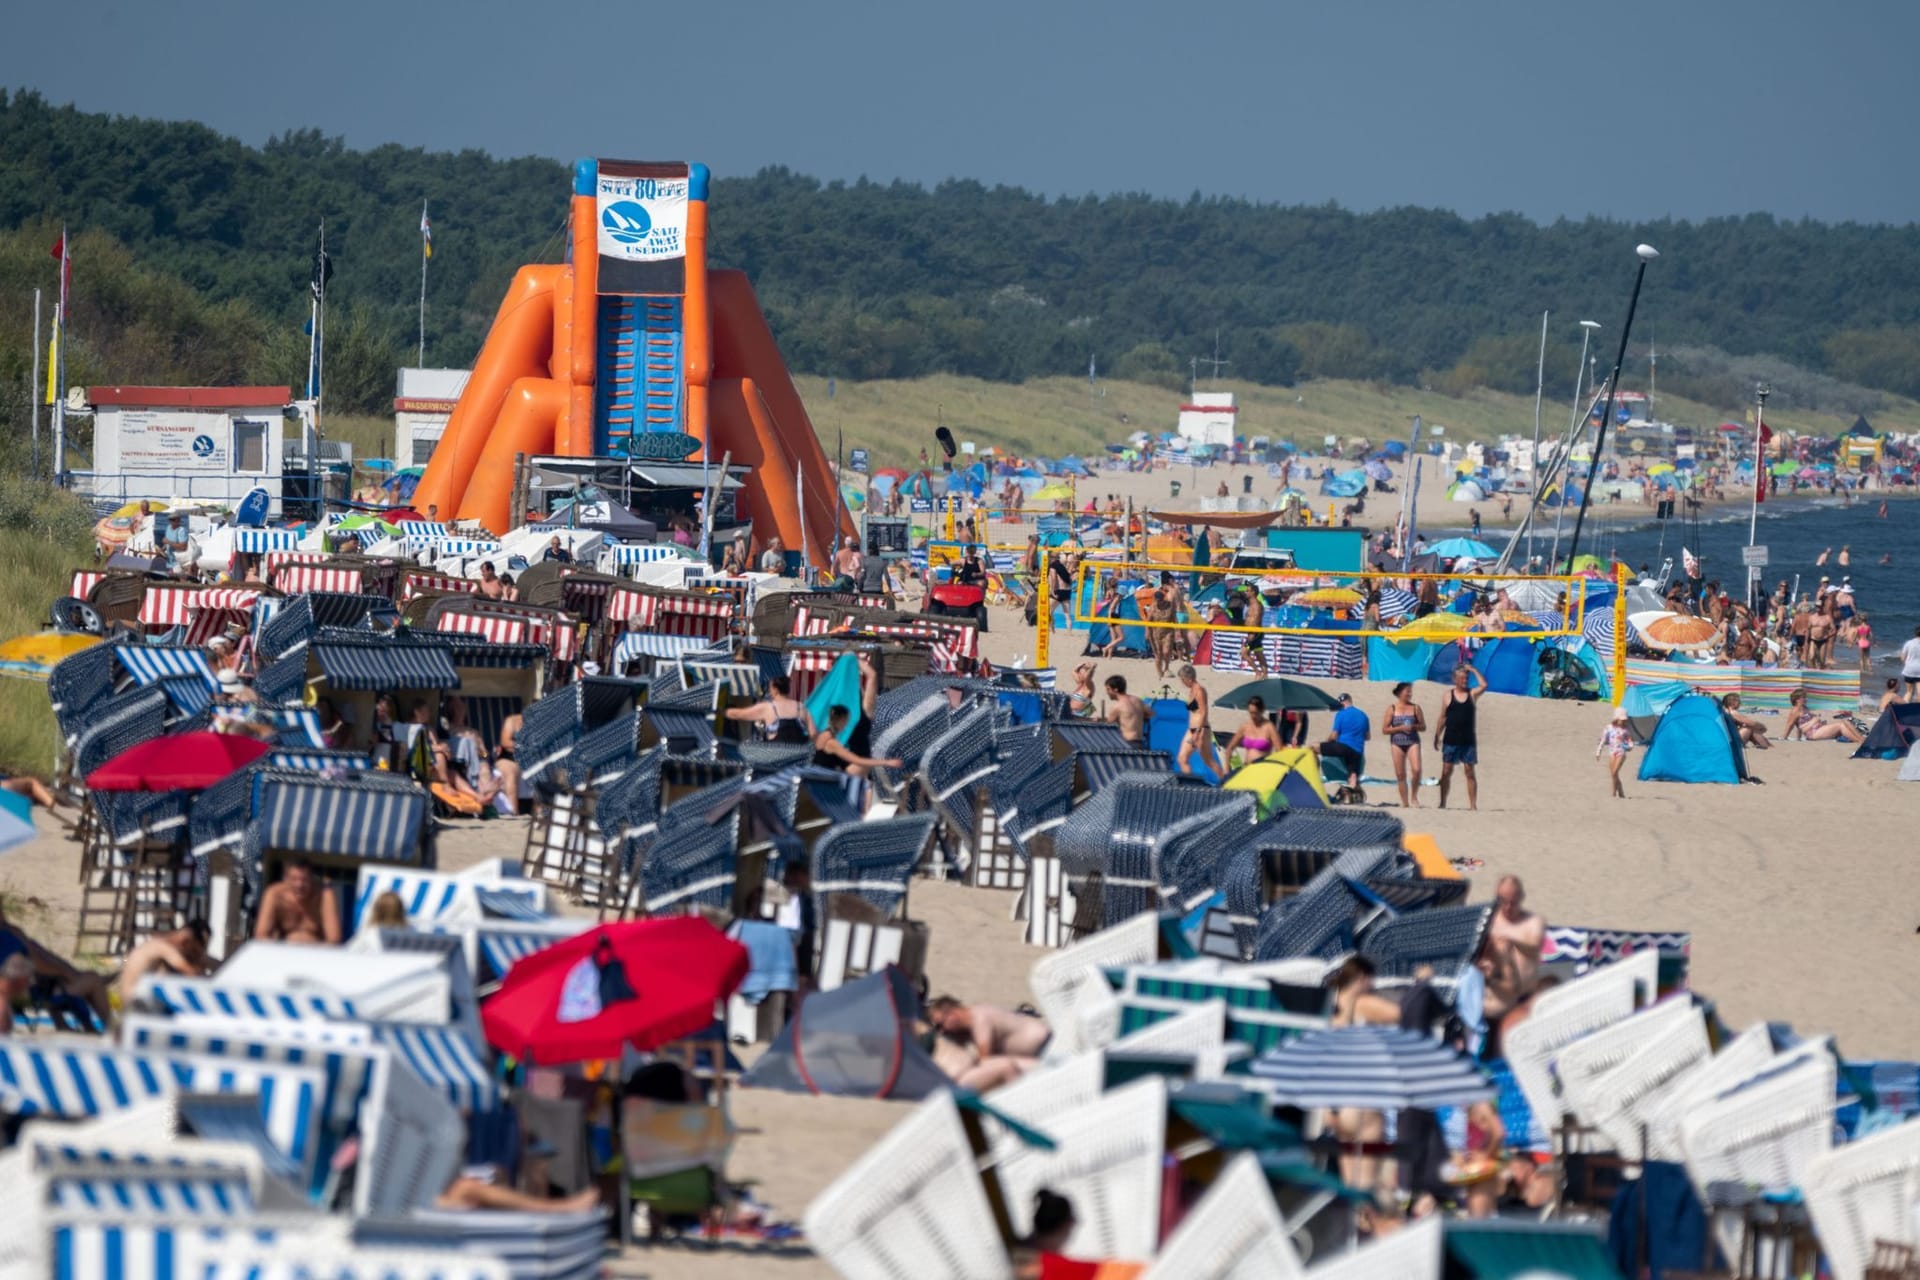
(1769, 880)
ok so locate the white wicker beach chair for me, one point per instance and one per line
(1864, 1192)
(1107, 1163)
(1564, 1014)
(1070, 985)
(1743, 1056)
(1198, 1031)
(1234, 1233)
(1607, 1076)
(1042, 1094)
(913, 1206)
(1412, 1253)
(1764, 1133)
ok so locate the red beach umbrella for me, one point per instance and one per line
(182, 762)
(640, 982)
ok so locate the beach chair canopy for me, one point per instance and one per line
(1694, 742)
(856, 1041)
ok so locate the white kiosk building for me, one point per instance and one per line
(1208, 418)
(205, 444)
(422, 403)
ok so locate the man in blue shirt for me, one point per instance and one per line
(1347, 741)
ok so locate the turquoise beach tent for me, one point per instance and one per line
(1694, 742)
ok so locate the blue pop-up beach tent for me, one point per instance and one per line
(1694, 742)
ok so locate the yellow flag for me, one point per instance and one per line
(53, 361)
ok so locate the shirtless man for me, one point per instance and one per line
(1127, 711)
(1510, 956)
(1007, 1044)
(490, 585)
(1819, 644)
(182, 952)
(846, 562)
(298, 909)
(61, 975)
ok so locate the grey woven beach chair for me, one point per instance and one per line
(1447, 938)
(693, 865)
(872, 861)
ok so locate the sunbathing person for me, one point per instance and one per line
(1752, 732)
(1009, 1044)
(466, 1192)
(56, 973)
(1815, 728)
(298, 909)
(182, 952)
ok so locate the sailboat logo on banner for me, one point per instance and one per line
(627, 221)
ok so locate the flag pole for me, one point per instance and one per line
(320, 330)
(426, 252)
(59, 369)
(33, 386)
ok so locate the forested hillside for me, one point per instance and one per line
(868, 281)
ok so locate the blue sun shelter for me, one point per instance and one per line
(1694, 742)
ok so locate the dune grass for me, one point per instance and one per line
(1057, 416)
(38, 571)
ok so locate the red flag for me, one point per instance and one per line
(1760, 473)
(59, 253)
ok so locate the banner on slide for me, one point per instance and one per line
(642, 227)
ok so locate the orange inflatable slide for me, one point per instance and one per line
(632, 348)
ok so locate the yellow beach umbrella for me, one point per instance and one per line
(1437, 625)
(33, 657)
(133, 509)
(1052, 493)
(1328, 598)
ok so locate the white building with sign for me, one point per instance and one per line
(422, 403)
(206, 444)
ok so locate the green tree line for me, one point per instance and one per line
(196, 249)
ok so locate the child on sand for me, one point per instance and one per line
(1616, 741)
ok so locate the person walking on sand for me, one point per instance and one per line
(1128, 712)
(1615, 741)
(1199, 739)
(1457, 735)
(1405, 723)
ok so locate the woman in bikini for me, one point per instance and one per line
(1199, 733)
(1405, 723)
(1256, 737)
(1803, 723)
(781, 718)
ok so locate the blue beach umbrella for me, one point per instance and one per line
(1377, 1068)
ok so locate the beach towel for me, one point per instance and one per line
(840, 688)
(770, 964)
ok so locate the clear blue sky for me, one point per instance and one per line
(1634, 110)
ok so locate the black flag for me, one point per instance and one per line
(322, 272)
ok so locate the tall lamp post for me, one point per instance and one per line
(1647, 253)
(1760, 394)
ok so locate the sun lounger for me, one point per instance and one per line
(913, 1204)
(1415, 1252)
(1863, 1193)
(1564, 1014)
(533, 1246)
(296, 1254)
(1070, 986)
(1107, 1162)
(1235, 1232)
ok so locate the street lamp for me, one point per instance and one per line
(1646, 253)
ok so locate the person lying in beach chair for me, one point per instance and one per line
(72, 997)
(1752, 732)
(1008, 1044)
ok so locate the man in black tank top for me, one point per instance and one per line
(1457, 735)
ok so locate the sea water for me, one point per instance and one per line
(1795, 530)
